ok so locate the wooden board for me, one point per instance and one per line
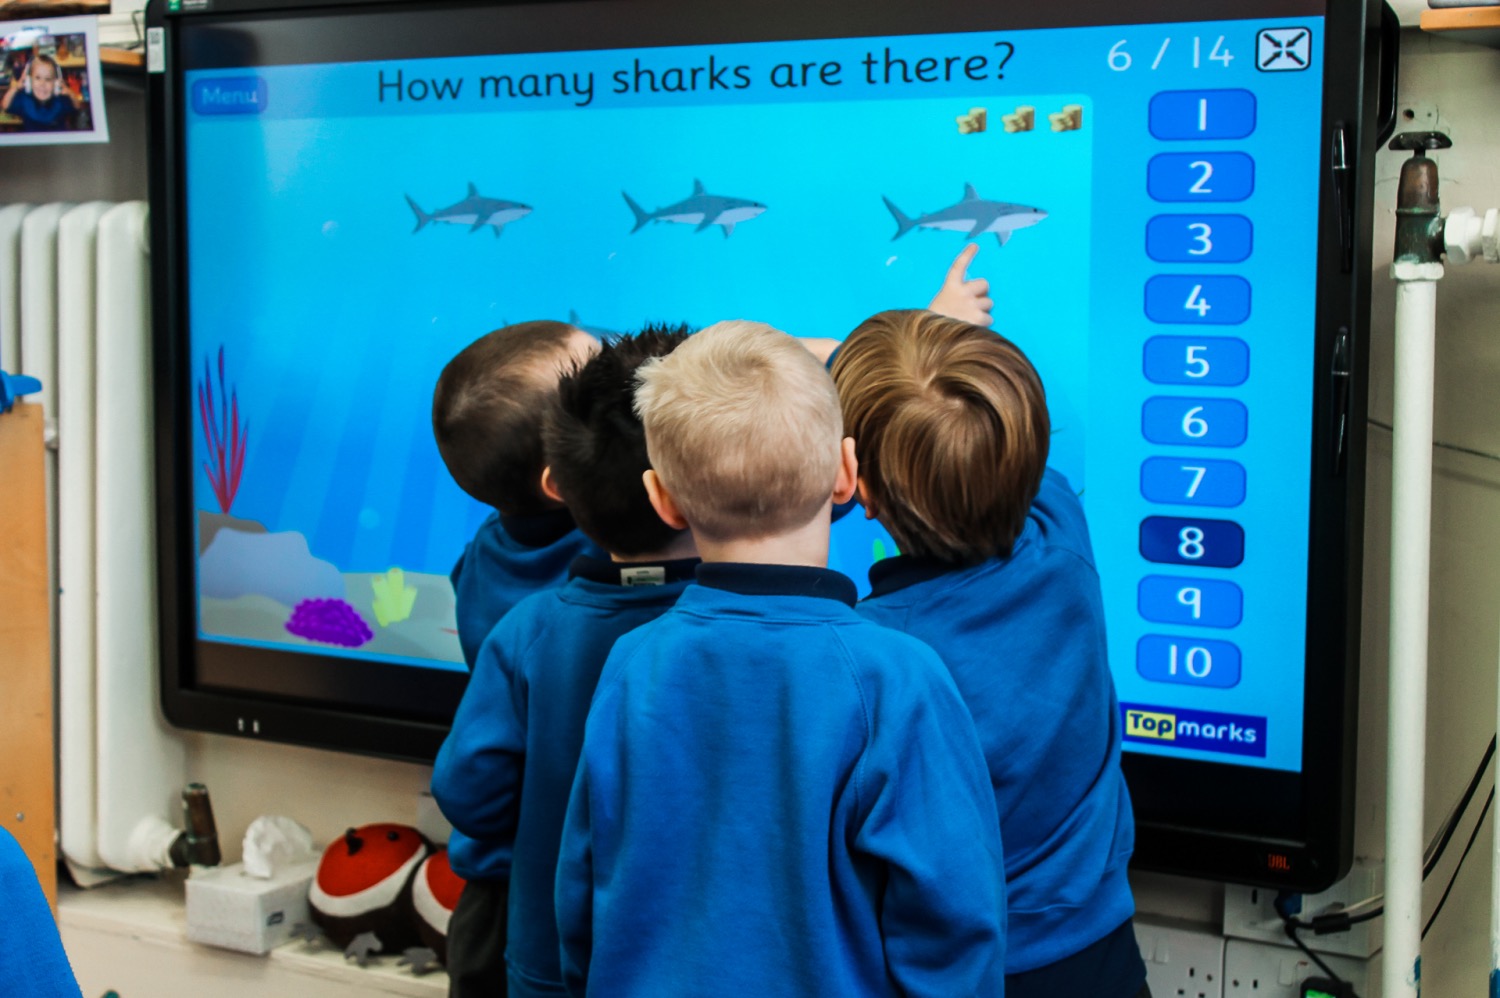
(27, 736)
(1479, 25)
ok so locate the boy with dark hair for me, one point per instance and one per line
(774, 797)
(487, 415)
(997, 575)
(503, 775)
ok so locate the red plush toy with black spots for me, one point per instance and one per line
(364, 884)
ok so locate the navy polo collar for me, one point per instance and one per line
(632, 573)
(537, 530)
(777, 580)
(890, 574)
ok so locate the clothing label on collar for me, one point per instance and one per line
(643, 575)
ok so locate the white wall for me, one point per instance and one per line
(329, 792)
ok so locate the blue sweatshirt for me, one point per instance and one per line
(778, 798)
(55, 114)
(504, 773)
(510, 558)
(1024, 640)
(32, 961)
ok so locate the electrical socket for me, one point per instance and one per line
(1181, 962)
(1262, 970)
(1249, 913)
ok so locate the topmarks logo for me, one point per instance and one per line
(1204, 730)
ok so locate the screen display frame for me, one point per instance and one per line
(1215, 820)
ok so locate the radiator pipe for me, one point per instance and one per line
(1417, 268)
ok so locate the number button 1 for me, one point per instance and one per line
(1190, 481)
(1192, 661)
(1203, 114)
(1173, 540)
(1207, 176)
(1192, 602)
(1190, 360)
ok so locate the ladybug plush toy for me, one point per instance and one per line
(434, 894)
(364, 884)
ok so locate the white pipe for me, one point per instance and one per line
(1411, 536)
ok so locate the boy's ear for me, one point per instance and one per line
(662, 501)
(862, 493)
(549, 486)
(848, 477)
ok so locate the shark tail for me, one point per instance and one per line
(422, 217)
(903, 224)
(642, 216)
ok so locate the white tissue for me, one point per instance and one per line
(273, 843)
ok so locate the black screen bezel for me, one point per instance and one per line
(1213, 820)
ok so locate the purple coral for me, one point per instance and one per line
(331, 621)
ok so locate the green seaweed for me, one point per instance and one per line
(393, 597)
(880, 553)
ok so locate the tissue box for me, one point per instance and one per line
(227, 908)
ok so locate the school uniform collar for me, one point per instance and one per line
(635, 573)
(777, 580)
(891, 574)
(538, 530)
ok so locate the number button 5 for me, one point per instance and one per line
(1188, 360)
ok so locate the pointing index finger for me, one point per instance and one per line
(958, 272)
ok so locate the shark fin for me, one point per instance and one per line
(642, 216)
(480, 223)
(707, 221)
(422, 217)
(970, 194)
(498, 230)
(572, 316)
(698, 187)
(473, 191)
(1004, 237)
(903, 224)
(728, 229)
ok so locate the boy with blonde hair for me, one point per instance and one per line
(774, 796)
(997, 575)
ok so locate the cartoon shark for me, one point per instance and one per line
(475, 211)
(701, 209)
(598, 332)
(973, 215)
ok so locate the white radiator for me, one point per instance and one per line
(76, 282)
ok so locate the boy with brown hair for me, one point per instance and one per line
(997, 575)
(774, 795)
(488, 410)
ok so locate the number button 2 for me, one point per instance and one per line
(1199, 238)
(1192, 661)
(1190, 481)
(1172, 540)
(1180, 299)
(1188, 360)
(1207, 176)
(1191, 602)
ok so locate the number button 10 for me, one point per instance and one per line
(1191, 661)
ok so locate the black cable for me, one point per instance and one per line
(1344, 986)
(1460, 448)
(1453, 879)
(1463, 805)
(1338, 921)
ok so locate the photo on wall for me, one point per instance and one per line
(51, 91)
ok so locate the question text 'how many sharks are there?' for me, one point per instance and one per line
(874, 69)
